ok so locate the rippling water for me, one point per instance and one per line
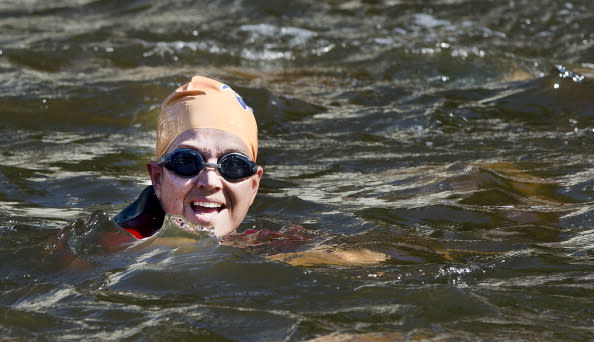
(452, 135)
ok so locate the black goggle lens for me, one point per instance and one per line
(188, 163)
(236, 166)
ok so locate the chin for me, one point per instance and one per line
(220, 232)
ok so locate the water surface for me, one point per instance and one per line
(453, 136)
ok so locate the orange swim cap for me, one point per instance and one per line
(206, 103)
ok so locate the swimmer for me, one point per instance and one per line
(205, 172)
(205, 164)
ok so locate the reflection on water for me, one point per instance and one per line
(449, 139)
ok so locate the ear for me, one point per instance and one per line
(155, 171)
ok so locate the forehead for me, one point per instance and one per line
(210, 140)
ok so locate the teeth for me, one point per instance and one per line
(207, 204)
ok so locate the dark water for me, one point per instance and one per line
(454, 136)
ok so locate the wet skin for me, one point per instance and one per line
(208, 200)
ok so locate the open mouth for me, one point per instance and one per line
(205, 213)
(206, 207)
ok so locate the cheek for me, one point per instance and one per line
(173, 192)
(243, 197)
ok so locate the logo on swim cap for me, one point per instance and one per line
(239, 99)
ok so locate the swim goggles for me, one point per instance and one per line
(187, 162)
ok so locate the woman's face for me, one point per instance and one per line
(207, 199)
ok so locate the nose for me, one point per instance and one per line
(209, 178)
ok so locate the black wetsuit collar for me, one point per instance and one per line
(144, 216)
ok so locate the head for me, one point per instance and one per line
(207, 117)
